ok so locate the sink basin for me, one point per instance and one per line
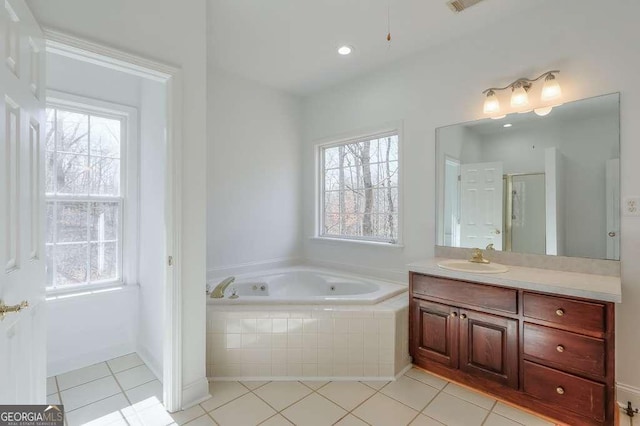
(476, 268)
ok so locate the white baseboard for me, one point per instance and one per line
(394, 275)
(404, 370)
(245, 268)
(153, 363)
(303, 379)
(195, 392)
(626, 393)
(61, 366)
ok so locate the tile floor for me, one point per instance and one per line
(123, 391)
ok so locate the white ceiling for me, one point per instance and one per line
(291, 44)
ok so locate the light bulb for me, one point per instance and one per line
(345, 50)
(519, 97)
(551, 89)
(543, 111)
(491, 104)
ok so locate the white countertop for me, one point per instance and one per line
(597, 287)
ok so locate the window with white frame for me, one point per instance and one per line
(84, 196)
(359, 189)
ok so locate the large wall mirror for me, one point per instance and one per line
(529, 184)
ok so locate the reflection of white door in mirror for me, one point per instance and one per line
(613, 208)
(451, 214)
(481, 205)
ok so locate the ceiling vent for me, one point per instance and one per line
(460, 5)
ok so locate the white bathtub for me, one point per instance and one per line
(305, 285)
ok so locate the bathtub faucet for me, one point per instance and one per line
(218, 292)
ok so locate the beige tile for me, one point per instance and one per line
(185, 416)
(277, 420)
(280, 395)
(377, 385)
(314, 410)
(423, 420)
(145, 395)
(470, 396)
(202, 421)
(221, 393)
(410, 392)
(89, 393)
(519, 416)
(426, 378)
(351, 420)
(348, 395)
(314, 385)
(103, 412)
(380, 410)
(135, 376)
(497, 420)
(124, 362)
(253, 385)
(450, 410)
(83, 375)
(52, 387)
(246, 410)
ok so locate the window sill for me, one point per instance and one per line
(61, 294)
(357, 242)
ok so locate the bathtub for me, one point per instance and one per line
(306, 285)
(307, 323)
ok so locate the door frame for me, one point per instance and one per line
(88, 51)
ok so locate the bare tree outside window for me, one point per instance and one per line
(360, 189)
(83, 197)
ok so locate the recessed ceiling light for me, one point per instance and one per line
(345, 50)
(507, 125)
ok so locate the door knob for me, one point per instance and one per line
(463, 316)
(560, 390)
(612, 234)
(560, 312)
(5, 309)
(453, 314)
(560, 348)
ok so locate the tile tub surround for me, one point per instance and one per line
(598, 287)
(309, 342)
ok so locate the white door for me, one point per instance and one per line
(22, 263)
(481, 194)
(613, 208)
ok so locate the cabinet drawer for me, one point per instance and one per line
(570, 392)
(459, 292)
(569, 313)
(568, 351)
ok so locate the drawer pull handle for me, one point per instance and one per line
(560, 390)
(560, 348)
(559, 312)
(453, 314)
(463, 316)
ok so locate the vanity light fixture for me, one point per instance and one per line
(551, 92)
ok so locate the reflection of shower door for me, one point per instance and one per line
(481, 205)
(525, 214)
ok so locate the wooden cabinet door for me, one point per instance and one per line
(434, 332)
(489, 347)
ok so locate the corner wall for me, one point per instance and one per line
(597, 51)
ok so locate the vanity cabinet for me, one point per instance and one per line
(548, 353)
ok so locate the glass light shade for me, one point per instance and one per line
(551, 89)
(491, 104)
(519, 97)
(543, 111)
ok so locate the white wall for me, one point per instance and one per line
(83, 330)
(152, 238)
(253, 194)
(175, 33)
(597, 51)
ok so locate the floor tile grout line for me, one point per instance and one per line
(228, 402)
(490, 411)
(93, 380)
(119, 385)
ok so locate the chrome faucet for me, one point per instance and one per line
(218, 292)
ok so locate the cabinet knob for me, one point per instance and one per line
(560, 312)
(463, 316)
(560, 390)
(453, 314)
(560, 348)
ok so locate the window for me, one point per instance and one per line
(359, 189)
(84, 198)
